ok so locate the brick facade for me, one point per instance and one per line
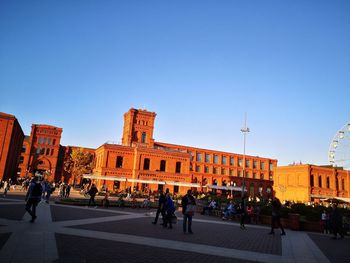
(141, 158)
(311, 183)
(11, 139)
(40, 151)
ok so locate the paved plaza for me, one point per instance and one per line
(79, 234)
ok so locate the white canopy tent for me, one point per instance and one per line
(145, 181)
(229, 188)
(183, 184)
(101, 177)
(123, 179)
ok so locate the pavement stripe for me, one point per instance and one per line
(31, 242)
(177, 245)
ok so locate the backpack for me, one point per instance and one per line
(37, 190)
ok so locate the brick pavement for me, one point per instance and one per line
(80, 234)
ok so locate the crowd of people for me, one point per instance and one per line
(332, 221)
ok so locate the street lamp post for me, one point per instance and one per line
(244, 130)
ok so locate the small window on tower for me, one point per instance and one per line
(143, 138)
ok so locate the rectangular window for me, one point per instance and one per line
(190, 152)
(47, 151)
(254, 175)
(53, 141)
(216, 159)
(231, 172)
(44, 140)
(215, 170)
(271, 167)
(23, 149)
(207, 158)
(178, 167)
(199, 157)
(206, 169)
(239, 162)
(232, 161)
(262, 165)
(247, 163)
(51, 152)
(38, 150)
(176, 189)
(255, 164)
(312, 181)
(119, 163)
(223, 171)
(146, 164)
(247, 175)
(262, 176)
(40, 140)
(239, 174)
(162, 165)
(21, 159)
(49, 141)
(42, 151)
(319, 181)
(198, 168)
(223, 160)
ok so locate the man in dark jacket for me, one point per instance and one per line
(336, 222)
(161, 206)
(92, 192)
(33, 197)
(276, 216)
(187, 200)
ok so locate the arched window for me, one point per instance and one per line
(143, 138)
(327, 182)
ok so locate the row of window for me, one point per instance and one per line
(44, 140)
(223, 171)
(147, 164)
(208, 158)
(44, 151)
(312, 182)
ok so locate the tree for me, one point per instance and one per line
(78, 163)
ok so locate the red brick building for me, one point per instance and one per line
(40, 152)
(142, 163)
(11, 139)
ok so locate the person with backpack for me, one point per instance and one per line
(169, 211)
(33, 197)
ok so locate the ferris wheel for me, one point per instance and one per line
(339, 149)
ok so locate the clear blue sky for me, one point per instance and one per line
(200, 65)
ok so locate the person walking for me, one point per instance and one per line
(276, 216)
(92, 192)
(336, 222)
(6, 188)
(169, 211)
(243, 210)
(160, 209)
(188, 206)
(33, 197)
